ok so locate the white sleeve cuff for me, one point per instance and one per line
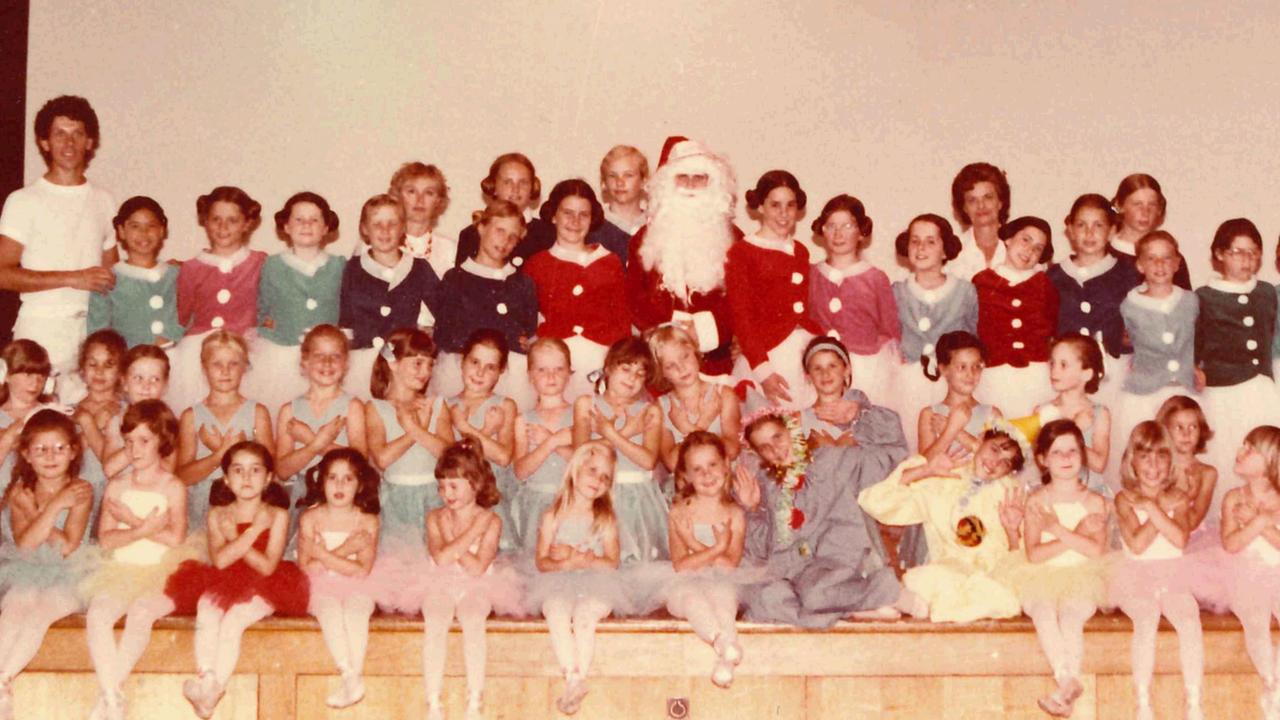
(704, 324)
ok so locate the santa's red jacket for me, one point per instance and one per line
(653, 305)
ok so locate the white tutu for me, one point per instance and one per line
(878, 376)
(275, 375)
(187, 385)
(359, 372)
(585, 358)
(1128, 410)
(1233, 411)
(787, 359)
(913, 393)
(1015, 391)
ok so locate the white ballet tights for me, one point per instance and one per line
(1060, 629)
(572, 623)
(345, 626)
(438, 610)
(1184, 614)
(1255, 619)
(25, 617)
(712, 611)
(218, 634)
(113, 662)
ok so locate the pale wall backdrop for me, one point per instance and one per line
(886, 100)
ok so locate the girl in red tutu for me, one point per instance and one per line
(337, 541)
(1155, 578)
(248, 524)
(462, 578)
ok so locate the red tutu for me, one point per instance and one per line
(287, 590)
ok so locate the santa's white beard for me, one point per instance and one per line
(688, 241)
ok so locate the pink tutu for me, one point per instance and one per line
(1250, 583)
(339, 586)
(402, 577)
(1197, 574)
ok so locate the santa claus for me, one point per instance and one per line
(677, 260)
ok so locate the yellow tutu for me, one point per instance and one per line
(1048, 582)
(129, 581)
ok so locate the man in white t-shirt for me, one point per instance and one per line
(57, 243)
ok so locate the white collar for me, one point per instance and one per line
(628, 226)
(1163, 305)
(837, 275)
(308, 268)
(225, 263)
(582, 258)
(150, 275)
(1013, 275)
(926, 295)
(1083, 274)
(1124, 246)
(1220, 283)
(392, 275)
(787, 246)
(484, 271)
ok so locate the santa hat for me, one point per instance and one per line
(678, 147)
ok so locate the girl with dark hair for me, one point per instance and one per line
(851, 300)
(298, 290)
(1017, 314)
(581, 292)
(767, 284)
(931, 302)
(1140, 207)
(960, 419)
(337, 541)
(143, 305)
(1235, 332)
(247, 579)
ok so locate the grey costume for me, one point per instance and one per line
(834, 563)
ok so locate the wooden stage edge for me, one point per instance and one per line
(904, 669)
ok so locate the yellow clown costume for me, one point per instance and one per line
(961, 520)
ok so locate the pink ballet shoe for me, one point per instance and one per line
(349, 693)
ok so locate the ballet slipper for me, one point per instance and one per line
(115, 705)
(881, 613)
(1071, 691)
(1143, 711)
(730, 652)
(1053, 705)
(722, 675)
(434, 712)
(354, 685)
(475, 710)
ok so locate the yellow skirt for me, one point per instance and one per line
(130, 581)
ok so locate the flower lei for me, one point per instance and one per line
(790, 477)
